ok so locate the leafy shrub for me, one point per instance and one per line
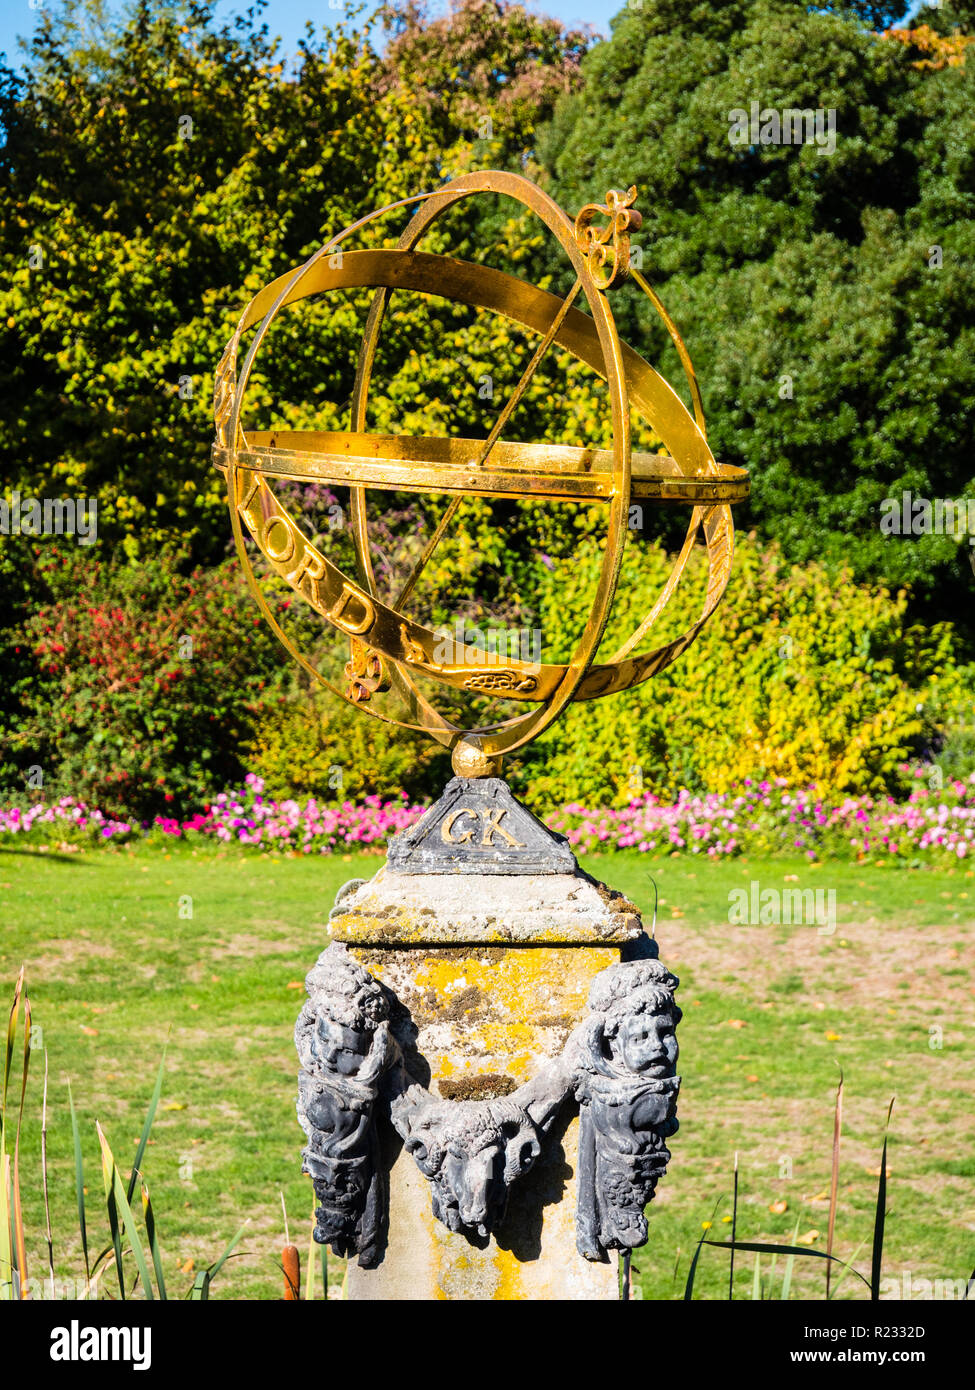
(146, 683)
(318, 746)
(16, 565)
(142, 697)
(956, 758)
(801, 674)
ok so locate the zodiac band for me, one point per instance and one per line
(383, 633)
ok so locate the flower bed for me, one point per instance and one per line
(760, 818)
(770, 818)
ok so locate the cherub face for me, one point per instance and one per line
(339, 1049)
(647, 1043)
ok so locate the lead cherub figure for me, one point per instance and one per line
(344, 1046)
(627, 1089)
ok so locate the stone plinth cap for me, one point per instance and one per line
(395, 909)
(478, 827)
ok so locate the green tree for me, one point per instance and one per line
(147, 185)
(157, 172)
(488, 74)
(825, 297)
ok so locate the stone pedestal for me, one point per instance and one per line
(489, 975)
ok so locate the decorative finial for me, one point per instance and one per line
(608, 248)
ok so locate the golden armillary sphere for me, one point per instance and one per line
(388, 648)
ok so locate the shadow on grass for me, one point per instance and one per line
(30, 853)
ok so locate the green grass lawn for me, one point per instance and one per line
(771, 1014)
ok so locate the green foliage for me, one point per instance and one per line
(257, 922)
(16, 573)
(488, 75)
(145, 192)
(123, 1227)
(782, 261)
(956, 757)
(807, 675)
(160, 168)
(318, 746)
(946, 17)
(145, 683)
